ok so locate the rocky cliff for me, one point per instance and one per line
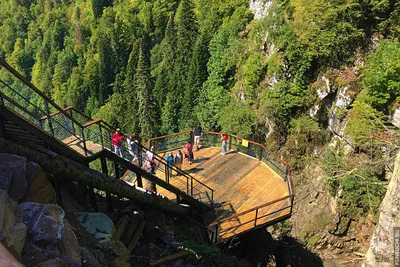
(381, 250)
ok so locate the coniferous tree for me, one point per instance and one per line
(196, 76)
(186, 31)
(129, 91)
(143, 86)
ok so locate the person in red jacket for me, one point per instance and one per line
(116, 139)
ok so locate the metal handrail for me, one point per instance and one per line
(35, 89)
(284, 170)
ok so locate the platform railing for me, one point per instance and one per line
(79, 129)
(257, 216)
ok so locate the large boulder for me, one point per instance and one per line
(18, 232)
(39, 189)
(116, 254)
(45, 222)
(12, 173)
(98, 225)
(13, 232)
(69, 244)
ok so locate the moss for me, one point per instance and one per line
(312, 240)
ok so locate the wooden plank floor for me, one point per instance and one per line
(78, 146)
(240, 183)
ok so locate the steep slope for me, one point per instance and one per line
(381, 250)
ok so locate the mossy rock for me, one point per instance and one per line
(115, 252)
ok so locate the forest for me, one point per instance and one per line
(158, 67)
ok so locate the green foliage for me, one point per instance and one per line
(241, 122)
(363, 121)
(304, 136)
(382, 74)
(356, 177)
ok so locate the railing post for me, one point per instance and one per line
(191, 186)
(291, 204)
(46, 106)
(84, 141)
(212, 198)
(187, 185)
(101, 135)
(230, 143)
(261, 152)
(108, 195)
(216, 233)
(140, 162)
(72, 122)
(255, 220)
(166, 173)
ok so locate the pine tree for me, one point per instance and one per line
(143, 86)
(129, 91)
(197, 75)
(169, 115)
(186, 36)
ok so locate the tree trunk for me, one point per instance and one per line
(63, 168)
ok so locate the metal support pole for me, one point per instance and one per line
(72, 122)
(138, 176)
(92, 196)
(108, 195)
(2, 129)
(101, 136)
(255, 220)
(116, 170)
(84, 141)
(46, 106)
(191, 186)
(166, 173)
(261, 152)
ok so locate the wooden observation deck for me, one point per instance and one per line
(252, 186)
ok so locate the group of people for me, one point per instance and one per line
(133, 144)
(176, 160)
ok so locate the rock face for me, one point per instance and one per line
(260, 8)
(381, 250)
(396, 118)
(12, 174)
(97, 224)
(45, 222)
(39, 189)
(12, 231)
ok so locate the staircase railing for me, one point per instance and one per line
(22, 96)
(278, 209)
(33, 105)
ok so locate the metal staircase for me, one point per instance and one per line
(28, 115)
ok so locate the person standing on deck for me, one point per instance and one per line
(133, 147)
(189, 148)
(197, 133)
(224, 140)
(170, 161)
(116, 139)
(179, 159)
(150, 163)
